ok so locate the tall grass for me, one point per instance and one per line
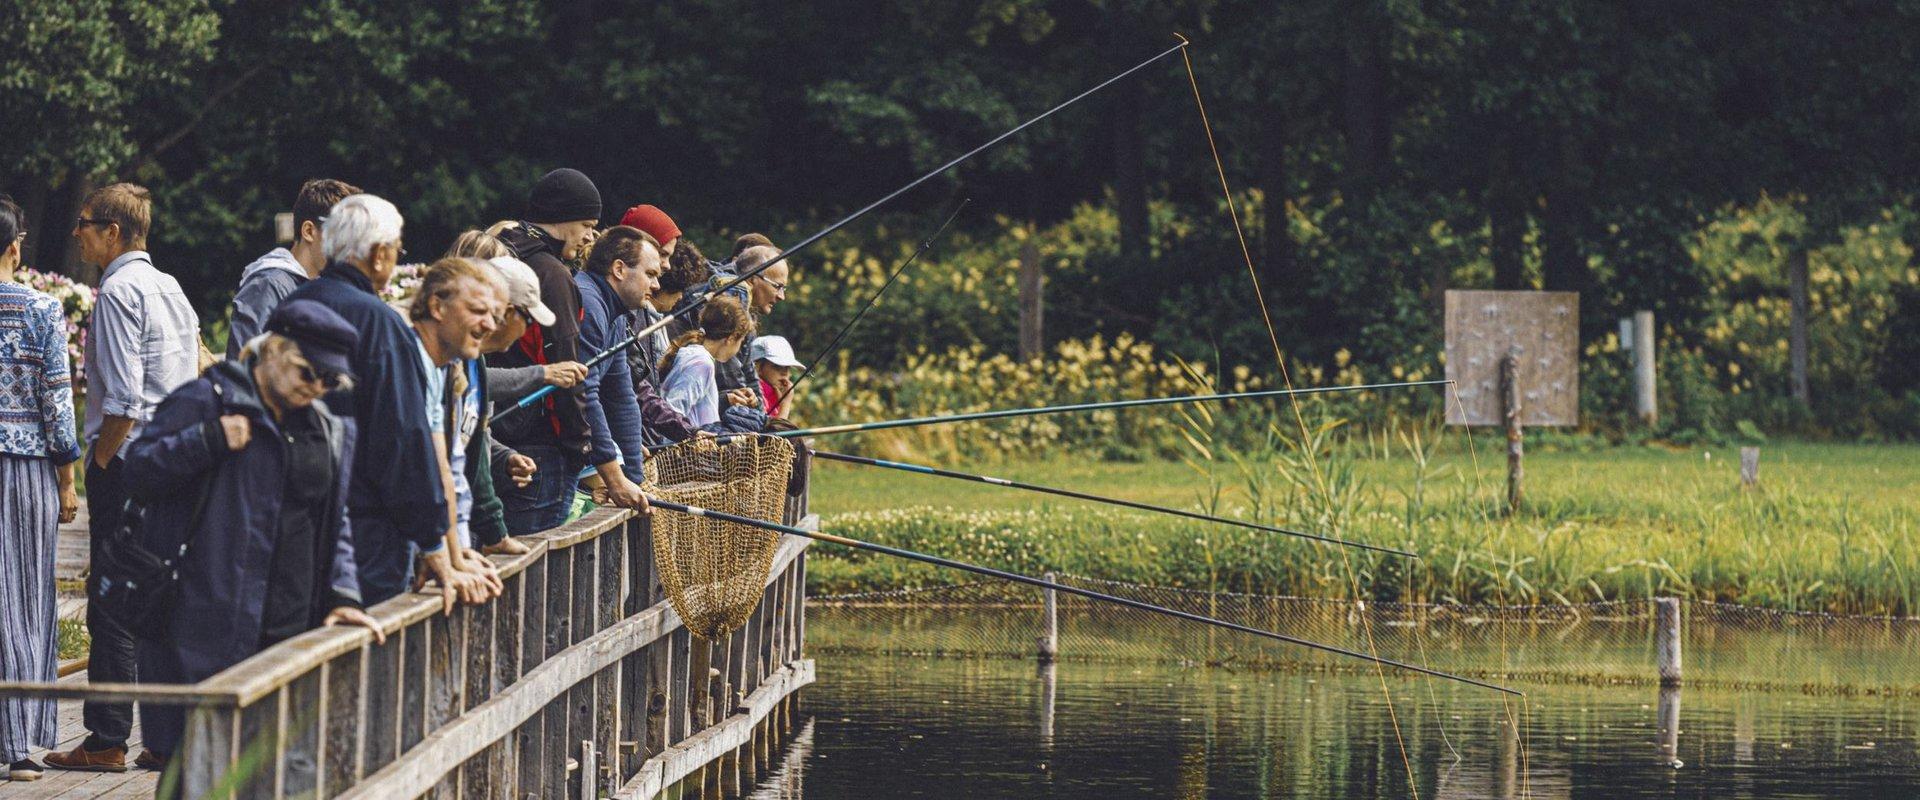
(1832, 528)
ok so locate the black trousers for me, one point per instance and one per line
(110, 656)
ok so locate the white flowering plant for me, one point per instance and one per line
(76, 301)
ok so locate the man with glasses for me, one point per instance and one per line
(143, 342)
(271, 277)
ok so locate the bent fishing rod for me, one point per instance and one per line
(1060, 587)
(1040, 410)
(623, 344)
(821, 357)
(1115, 501)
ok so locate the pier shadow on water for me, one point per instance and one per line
(947, 726)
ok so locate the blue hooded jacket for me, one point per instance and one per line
(224, 576)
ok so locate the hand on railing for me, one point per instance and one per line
(483, 566)
(455, 583)
(348, 615)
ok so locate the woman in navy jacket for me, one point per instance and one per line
(271, 555)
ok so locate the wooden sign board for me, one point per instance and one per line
(1542, 328)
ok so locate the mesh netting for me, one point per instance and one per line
(713, 571)
(1606, 642)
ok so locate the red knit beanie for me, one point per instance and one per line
(654, 221)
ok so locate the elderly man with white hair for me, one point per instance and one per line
(397, 502)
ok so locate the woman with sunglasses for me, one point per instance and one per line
(247, 469)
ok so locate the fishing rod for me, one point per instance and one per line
(1058, 587)
(815, 362)
(623, 344)
(1115, 501)
(1038, 410)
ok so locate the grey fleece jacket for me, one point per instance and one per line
(264, 283)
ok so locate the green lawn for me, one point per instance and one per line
(1832, 527)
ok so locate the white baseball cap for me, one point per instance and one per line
(523, 288)
(774, 349)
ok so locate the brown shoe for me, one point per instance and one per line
(150, 760)
(80, 759)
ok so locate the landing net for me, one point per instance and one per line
(714, 572)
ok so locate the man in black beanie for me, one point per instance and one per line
(562, 211)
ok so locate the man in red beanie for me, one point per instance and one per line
(656, 223)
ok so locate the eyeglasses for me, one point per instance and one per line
(330, 380)
(85, 221)
(778, 287)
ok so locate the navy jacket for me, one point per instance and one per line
(223, 579)
(396, 476)
(613, 414)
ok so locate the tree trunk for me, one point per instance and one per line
(1129, 169)
(1278, 251)
(1364, 110)
(33, 201)
(1506, 221)
(1797, 338)
(1032, 299)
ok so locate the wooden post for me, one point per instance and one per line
(1050, 638)
(1510, 414)
(1032, 301)
(1644, 397)
(589, 771)
(1668, 724)
(1749, 466)
(1666, 639)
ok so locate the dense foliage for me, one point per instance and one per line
(1648, 155)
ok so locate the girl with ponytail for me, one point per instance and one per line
(689, 385)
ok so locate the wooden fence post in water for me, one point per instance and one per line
(1050, 639)
(1749, 467)
(1666, 639)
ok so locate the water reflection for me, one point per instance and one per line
(942, 727)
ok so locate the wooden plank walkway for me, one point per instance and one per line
(63, 785)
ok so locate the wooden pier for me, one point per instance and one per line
(579, 682)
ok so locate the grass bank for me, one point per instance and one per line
(1833, 527)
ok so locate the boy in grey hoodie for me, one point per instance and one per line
(271, 277)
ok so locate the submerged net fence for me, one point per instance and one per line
(1601, 643)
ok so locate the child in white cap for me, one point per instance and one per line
(773, 361)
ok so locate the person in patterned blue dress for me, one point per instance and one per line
(38, 447)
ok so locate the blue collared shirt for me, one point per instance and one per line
(142, 343)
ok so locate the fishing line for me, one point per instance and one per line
(535, 397)
(1029, 580)
(1031, 487)
(1513, 720)
(814, 363)
(1306, 447)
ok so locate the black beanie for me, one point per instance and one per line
(563, 195)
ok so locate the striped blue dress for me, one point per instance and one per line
(36, 433)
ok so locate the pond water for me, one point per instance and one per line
(918, 726)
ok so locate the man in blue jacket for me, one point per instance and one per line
(622, 271)
(396, 503)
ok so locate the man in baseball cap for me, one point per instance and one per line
(523, 289)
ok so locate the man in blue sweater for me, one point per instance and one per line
(621, 273)
(396, 501)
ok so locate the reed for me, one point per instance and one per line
(1833, 527)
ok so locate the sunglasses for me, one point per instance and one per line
(85, 221)
(310, 374)
(525, 315)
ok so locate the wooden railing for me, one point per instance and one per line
(580, 682)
